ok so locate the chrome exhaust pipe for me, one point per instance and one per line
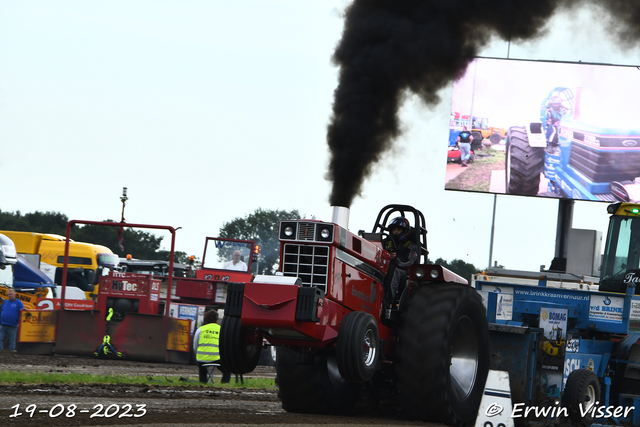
(340, 216)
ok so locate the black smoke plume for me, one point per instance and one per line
(392, 47)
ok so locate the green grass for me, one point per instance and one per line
(477, 176)
(57, 378)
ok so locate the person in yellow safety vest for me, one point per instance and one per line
(206, 345)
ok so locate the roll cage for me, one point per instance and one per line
(418, 232)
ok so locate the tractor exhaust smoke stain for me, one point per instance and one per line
(392, 47)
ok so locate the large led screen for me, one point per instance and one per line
(546, 129)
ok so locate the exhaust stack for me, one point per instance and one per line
(340, 216)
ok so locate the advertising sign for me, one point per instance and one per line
(550, 129)
(37, 326)
(606, 309)
(504, 309)
(194, 313)
(504, 300)
(69, 304)
(634, 316)
(178, 338)
(554, 322)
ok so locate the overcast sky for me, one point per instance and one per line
(208, 110)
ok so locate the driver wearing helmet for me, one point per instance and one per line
(399, 246)
(555, 112)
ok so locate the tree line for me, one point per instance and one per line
(140, 244)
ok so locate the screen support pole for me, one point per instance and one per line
(565, 220)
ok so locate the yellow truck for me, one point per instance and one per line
(87, 262)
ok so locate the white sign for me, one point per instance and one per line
(634, 316)
(221, 293)
(504, 306)
(635, 310)
(573, 346)
(504, 300)
(606, 309)
(554, 322)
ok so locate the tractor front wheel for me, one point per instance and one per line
(240, 347)
(443, 354)
(358, 348)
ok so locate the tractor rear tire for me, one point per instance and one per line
(495, 138)
(477, 137)
(523, 163)
(581, 391)
(443, 354)
(314, 388)
(240, 347)
(358, 348)
(476, 144)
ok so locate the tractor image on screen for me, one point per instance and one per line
(581, 159)
(336, 328)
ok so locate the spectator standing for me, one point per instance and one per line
(9, 319)
(464, 141)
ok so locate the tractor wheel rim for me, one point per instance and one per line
(369, 348)
(590, 396)
(464, 358)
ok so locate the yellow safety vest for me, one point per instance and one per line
(208, 343)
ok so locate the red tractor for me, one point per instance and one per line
(336, 328)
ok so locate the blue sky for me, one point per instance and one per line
(207, 110)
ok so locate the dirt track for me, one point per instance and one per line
(184, 404)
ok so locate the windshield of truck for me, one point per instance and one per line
(622, 252)
(75, 260)
(108, 260)
(480, 123)
(227, 255)
(6, 275)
